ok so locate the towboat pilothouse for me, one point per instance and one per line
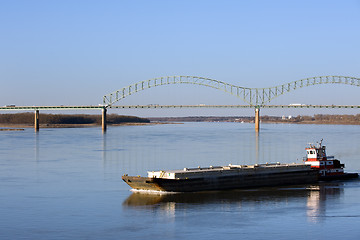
(329, 167)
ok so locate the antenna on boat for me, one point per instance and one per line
(320, 142)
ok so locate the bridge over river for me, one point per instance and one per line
(253, 97)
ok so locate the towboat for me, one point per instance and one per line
(328, 167)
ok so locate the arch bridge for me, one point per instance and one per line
(254, 97)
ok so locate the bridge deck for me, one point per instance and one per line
(153, 106)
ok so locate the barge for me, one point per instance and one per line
(224, 177)
(316, 167)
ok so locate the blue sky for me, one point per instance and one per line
(74, 52)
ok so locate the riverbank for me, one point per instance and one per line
(11, 129)
(19, 127)
(316, 119)
(25, 120)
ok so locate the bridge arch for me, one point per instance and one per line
(252, 96)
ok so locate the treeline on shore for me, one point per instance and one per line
(316, 119)
(28, 118)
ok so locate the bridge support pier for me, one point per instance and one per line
(103, 119)
(36, 122)
(257, 119)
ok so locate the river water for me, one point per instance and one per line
(66, 183)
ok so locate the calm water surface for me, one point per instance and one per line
(66, 183)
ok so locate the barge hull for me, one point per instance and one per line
(222, 183)
(344, 176)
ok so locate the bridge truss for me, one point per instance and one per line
(252, 96)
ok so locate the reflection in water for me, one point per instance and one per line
(36, 146)
(111, 157)
(257, 147)
(316, 201)
(314, 197)
(104, 146)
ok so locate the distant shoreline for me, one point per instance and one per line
(14, 122)
(26, 120)
(19, 127)
(318, 119)
(12, 129)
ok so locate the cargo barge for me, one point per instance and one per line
(224, 177)
(317, 166)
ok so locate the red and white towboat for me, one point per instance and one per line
(329, 167)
